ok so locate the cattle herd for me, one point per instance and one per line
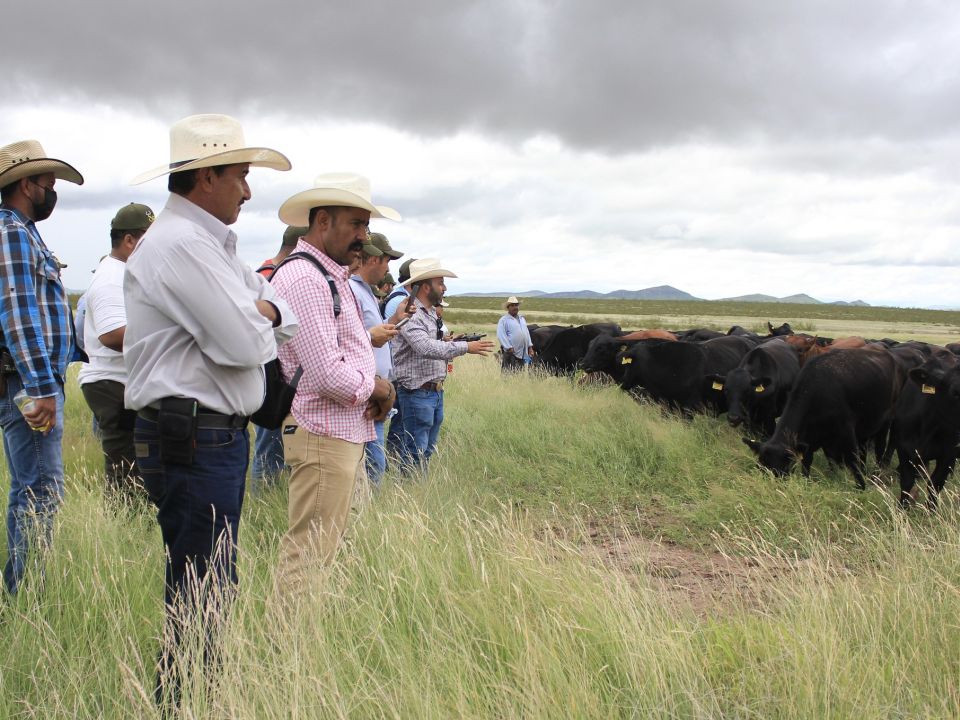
(792, 393)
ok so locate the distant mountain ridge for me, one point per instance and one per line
(664, 292)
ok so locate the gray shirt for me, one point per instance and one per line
(418, 356)
(193, 329)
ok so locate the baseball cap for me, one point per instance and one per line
(132, 217)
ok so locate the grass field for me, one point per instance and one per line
(572, 554)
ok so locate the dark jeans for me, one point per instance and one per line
(510, 363)
(394, 439)
(115, 423)
(198, 508)
(35, 462)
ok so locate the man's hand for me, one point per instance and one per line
(266, 308)
(380, 335)
(530, 351)
(479, 347)
(43, 416)
(381, 400)
(402, 311)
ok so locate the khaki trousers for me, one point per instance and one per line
(323, 475)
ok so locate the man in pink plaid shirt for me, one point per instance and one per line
(339, 396)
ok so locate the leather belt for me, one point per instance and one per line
(207, 419)
(435, 386)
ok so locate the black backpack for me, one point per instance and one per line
(279, 393)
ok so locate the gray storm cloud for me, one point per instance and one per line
(614, 76)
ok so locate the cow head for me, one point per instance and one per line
(942, 388)
(776, 457)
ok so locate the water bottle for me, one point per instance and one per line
(26, 403)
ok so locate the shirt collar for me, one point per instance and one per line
(179, 205)
(18, 216)
(334, 268)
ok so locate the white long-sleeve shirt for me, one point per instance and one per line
(193, 328)
(512, 333)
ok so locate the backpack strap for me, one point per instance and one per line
(334, 294)
(386, 301)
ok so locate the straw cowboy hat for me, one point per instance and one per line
(425, 269)
(512, 300)
(27, 158)
(333, 189)
(201, 141)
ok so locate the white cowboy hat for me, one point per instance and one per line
(27, 158)
(425, 269)
(333, 189)
(512, 300)
(201, 141)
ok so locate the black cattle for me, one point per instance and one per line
(697, 334)
(757, 389)
(679, 374)
(565, 347)
(541, 334)
(840, 401)
(953, 347)
(927, 426)
(784, 329)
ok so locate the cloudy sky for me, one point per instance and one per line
(723, 147)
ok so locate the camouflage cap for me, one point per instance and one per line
(132, 217)
(388, 280)
(380, 240)
(404, 273)
(292, 235)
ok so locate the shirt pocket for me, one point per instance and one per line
(48, 268)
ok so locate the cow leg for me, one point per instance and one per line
(908, 476)
(806, 460)
(939, 477)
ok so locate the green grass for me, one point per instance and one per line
(488, 589)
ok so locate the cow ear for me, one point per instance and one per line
(770, 327)
(923, 376)
(752, 444)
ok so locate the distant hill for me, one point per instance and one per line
(663, 292)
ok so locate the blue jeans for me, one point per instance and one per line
(268, 460)
(198, 508)
(394, 440)
(422, 413)
(376, 456)
(36, 482)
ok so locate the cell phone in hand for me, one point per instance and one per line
(402, 322)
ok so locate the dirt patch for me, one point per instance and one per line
(708, 583)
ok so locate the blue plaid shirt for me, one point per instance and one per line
(35, 317)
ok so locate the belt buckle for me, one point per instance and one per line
(438, 386)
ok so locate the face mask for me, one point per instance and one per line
(41, 211)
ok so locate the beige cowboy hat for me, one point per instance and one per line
(512, 300)
(333, 189)
(425, 269)
(201, 141)
(27, 158)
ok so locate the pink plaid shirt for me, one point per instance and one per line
(336, 355)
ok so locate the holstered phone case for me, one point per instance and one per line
(177, 425)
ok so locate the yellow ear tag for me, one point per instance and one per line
(626, 361)
(717, 385)
(928, 390)
(759, 388)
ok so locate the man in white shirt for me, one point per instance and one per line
(104, 378)
(200, 327)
